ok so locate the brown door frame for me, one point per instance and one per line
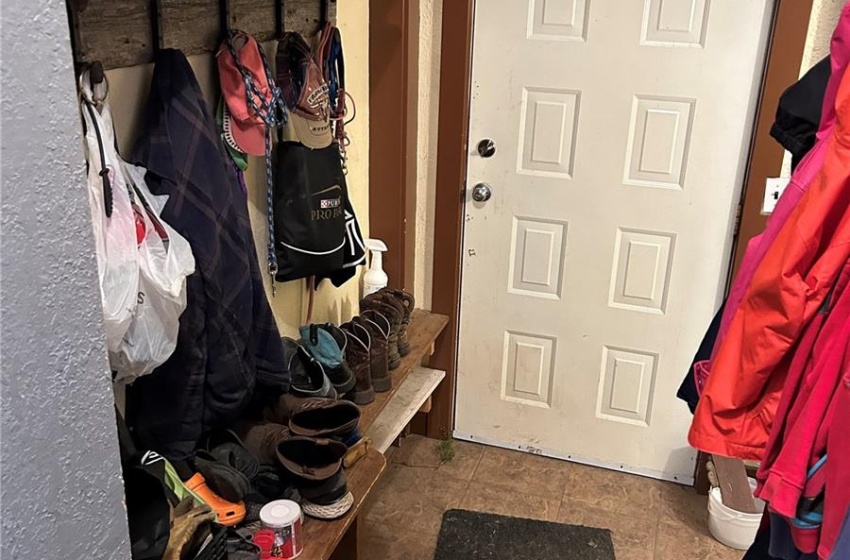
(790, 22)
(782, 68)
(452, 140)
(393, 107)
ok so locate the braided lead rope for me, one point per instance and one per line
(273, 114)
(272, 254)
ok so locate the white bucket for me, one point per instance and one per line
(732, 528)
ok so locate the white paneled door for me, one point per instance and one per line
(621, 130)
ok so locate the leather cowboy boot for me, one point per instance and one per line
(379, 330)
(315, 466)
(324, 418)
(408, 303)
(394, 313)
(261, 439)
(311, 417)
(359, 359)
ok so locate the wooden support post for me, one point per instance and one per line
(347, 548)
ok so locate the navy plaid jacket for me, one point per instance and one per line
(229, 355)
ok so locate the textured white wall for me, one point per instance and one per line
(824, 17)
(61, 494)
(430, 34)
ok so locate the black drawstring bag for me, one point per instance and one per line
(310, 198)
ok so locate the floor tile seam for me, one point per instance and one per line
(657, 539)
(477, 464)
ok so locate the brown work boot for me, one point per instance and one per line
(324, 418)
(359, 359)
(261, 439)
(379, 330)
(393, 311)
(315, 469)
(408, 304)
(313, 417)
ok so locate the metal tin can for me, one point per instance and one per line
(284, 518)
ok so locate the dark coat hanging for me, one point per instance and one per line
(229, 349)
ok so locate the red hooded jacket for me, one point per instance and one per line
(737, 407)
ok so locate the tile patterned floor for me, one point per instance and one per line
(649, 520)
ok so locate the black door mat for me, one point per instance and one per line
(468, 535)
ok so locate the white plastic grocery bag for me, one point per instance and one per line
(113, 219)
(142, 261)
(165, 260)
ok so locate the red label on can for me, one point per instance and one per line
(287, 542)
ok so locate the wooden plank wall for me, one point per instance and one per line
(121, 33)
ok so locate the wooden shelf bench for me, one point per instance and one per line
(424, 329)
(322, 538)
(400, 410)
(382, 421)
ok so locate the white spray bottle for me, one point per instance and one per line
(375, 278)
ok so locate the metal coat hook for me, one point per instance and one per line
(98, 84)
(96, 73)
(325, 13)
(224, 15)
(156, 26)
(279, 15)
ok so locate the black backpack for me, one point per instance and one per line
(310, 199)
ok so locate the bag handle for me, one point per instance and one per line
(94, 90)
(104, 171)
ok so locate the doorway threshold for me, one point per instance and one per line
(610, 465)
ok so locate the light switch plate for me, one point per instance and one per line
(773, 189)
